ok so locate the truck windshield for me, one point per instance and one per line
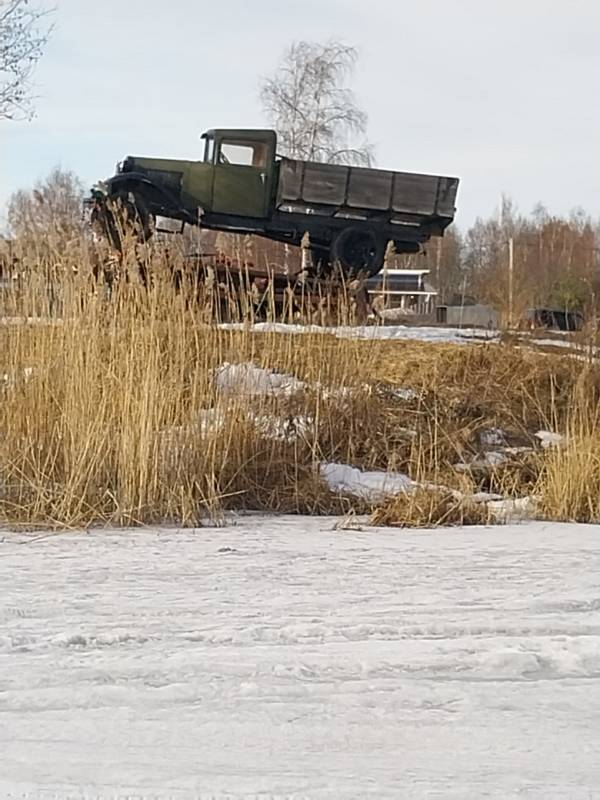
(209, 150)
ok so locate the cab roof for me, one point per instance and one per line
(239, 133)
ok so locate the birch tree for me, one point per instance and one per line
(23, 34)
(309, 103)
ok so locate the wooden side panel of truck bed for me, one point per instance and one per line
(398, 193)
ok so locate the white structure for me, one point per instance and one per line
(470, 315)
(405, 289)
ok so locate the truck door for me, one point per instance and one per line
(242, 171)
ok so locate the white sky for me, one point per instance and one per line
(501, 93)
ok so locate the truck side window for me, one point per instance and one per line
(243, 154)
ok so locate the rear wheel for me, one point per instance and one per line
(357, 250)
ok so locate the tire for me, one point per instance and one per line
(128, 212)
(357, 250)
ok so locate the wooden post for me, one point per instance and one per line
(390, 252)
(511, 269)
(306, 259)
(438, 262)
(286, 259)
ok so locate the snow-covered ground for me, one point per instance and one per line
(431, 334)
(288, 658)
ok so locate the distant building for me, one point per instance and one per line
(557, 319)
(474, 315)
(405, 289)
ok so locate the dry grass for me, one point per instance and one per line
(112, 412)
(427, 508)
(569, 485)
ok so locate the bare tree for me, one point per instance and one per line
(555, 260)
(22, 39)
(313, 110)
(53, 206)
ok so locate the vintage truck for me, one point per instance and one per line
(243, 186)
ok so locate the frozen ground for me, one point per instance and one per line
(281, 658)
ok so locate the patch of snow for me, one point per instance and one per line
(282, 429)
(335, 392)
(560, 343)
(462, 466)
(400, 332)
(368, 485)
(282, 658)
(11, 379)
(376, 486)
(10, 321)
(488, 460)
(481, 497)
(211, 420)
(493, 437)
(517, 450)
(513, 509)
(494, 458)
(179, 440)
(550, 439)
(394, 315)
(248, 379)
(405, 393)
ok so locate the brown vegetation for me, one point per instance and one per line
(556, 262)
(426, 508)
(113, 411)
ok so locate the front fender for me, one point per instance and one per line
(158, 199)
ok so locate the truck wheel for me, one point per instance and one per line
(358, 250)
(129, 212)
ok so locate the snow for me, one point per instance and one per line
(248, 379)
(405, 393)
(282, 657)
(283, 429)
(493, 437)
(373, 486)
(550, 439)
(398, 332)
(488, 460)
(517, 509)
(569, 344)
(10, 379)
(12, 321)
(376, 486)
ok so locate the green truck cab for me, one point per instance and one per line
(241, 185)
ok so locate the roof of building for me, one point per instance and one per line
(395, 271)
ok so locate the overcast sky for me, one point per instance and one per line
(501, 93)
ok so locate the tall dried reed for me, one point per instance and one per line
(118, 405)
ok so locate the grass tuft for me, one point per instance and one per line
(427, 508)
